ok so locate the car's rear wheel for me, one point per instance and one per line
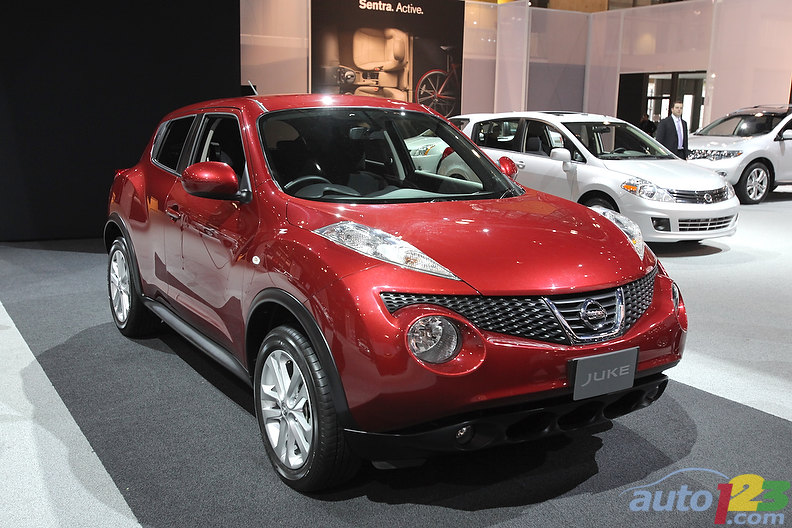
(298, 422)
(130, 315)
(754, 184)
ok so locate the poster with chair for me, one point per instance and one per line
(403, 51)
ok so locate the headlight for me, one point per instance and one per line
(628, 227)
(434, 339)
(421, 151)
(383, 246)
(645, 189)
(713, 155)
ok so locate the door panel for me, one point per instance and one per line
(207, 285)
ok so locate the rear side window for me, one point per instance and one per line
(459, 122)
(169, 145)
(499, 133)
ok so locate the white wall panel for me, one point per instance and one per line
(667, 37)
(478, 60)
(557, 66)
(604, 53)
(512, 56)
(274, 46)
(751, 60)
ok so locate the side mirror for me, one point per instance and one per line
(786, 134)
(507, 166)
(212, 179)
(564, 156)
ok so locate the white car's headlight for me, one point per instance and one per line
(646, 189)
(421, 151)
(730, 191)
(713, 155)
(383, 246)
(628, 227)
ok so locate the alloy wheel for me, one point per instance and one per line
(286, 409)
(756, 184)
(120, 287)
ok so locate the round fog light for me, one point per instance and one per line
(433, 339)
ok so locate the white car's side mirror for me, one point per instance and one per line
(563, 155)
(786, 134)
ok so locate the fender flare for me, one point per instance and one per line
(318, 342)
(115, 220)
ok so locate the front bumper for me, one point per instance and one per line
(672, 221)
(388, 389)
(515, 424)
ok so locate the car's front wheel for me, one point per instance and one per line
(754, 184)
(600, 201)
(130, 315)
(295, 412)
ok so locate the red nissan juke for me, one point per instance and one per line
(379, 310)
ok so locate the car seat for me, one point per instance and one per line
(386, 52)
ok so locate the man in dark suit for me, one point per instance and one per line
(672, 132)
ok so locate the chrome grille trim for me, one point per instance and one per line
(553, 319)
(700, 197)
(705, 224)
(568, 312)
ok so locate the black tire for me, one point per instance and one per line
(754, 184)
(299, 426)
(600, 201)
(130, 315)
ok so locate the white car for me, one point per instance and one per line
(749, 147)
(432, 154)
(603, 161)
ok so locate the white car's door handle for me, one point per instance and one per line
(520, 164)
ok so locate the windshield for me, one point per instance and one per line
(742, 125)
(611, 141)
(376, 155)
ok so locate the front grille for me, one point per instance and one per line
(700, 197)
(527, 317)
(554, 319)
(705, 224)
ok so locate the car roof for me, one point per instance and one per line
(558, 116)
(271, 103)
(775, 109)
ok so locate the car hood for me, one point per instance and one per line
(532, 244)
(716, 142)
(669, 173)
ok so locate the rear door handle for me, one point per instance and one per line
(520, 164)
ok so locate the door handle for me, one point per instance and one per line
(173, 212)
(520, 164)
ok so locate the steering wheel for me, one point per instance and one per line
(619, 150)
(305, 180)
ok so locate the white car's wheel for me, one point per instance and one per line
(754, 184)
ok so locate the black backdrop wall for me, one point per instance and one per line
(82, 87)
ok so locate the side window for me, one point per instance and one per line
(169, 145)
(498, 133)
(220, 140)
(541, 138)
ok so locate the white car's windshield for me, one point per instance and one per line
(609, 141)
(372, 155)
(742, 125)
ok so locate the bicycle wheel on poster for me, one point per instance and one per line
(435, 90)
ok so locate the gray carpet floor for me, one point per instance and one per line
(178, 439)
